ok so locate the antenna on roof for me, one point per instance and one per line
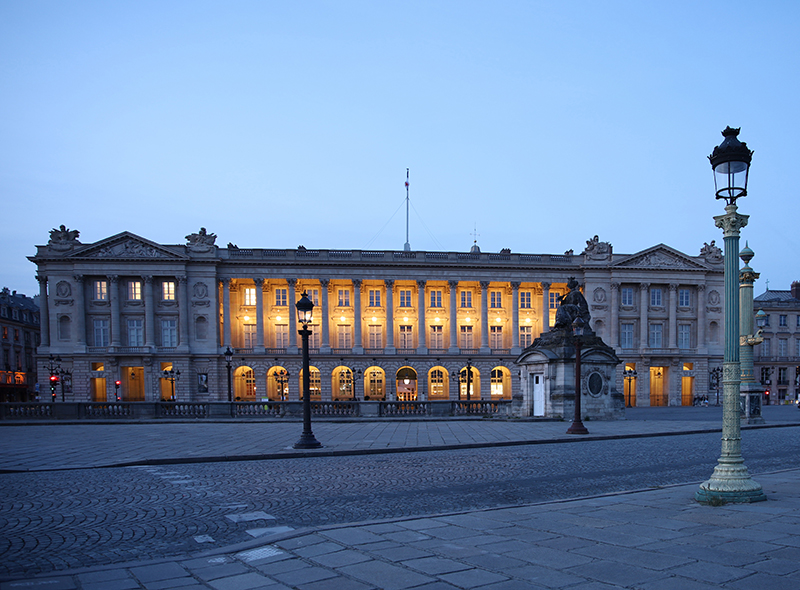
(407, 246)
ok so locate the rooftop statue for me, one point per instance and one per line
(63, 238)
(201, 241)
(597, 250)
(711, 252)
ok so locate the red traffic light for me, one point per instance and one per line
(117, 383)
(54, 378)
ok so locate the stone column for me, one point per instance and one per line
(358, 343)
(453, 317)
(226, 312)
(293, 298)
(259, 315)
(44, 311)
(644, 292)
(390, 349)
(614, 332)
(113, 288)
(149, 313)
(673, 316)
(701, 318)
(421, 346)
(183, 314)
(545, 307)
(324, 320)
(485, 317)
(515, 349)
(80, 315)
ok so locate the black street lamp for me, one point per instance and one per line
(228, 358)
(171, 375)
(63, 375)
(577, 333)
(629, 375)
(282, 379)
(713, 380)
(456, 375)
(356, 375)
(304, 314)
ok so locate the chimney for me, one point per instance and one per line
(796, 289)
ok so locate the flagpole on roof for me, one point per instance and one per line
(407, 246)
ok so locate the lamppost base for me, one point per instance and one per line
(577, 428)
(307, 441)
(730, 484)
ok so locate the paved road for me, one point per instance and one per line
(72, 518)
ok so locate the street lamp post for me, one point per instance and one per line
(456, 375)
(730, 481)
(304, 315)
(171, 375)
(356, 375)
(282, 378)
(750, 390)
(714, 376)
(577, 332)
(629, 375)
(228, 358)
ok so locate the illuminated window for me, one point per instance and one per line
(406, 337)
(134, 290)
(250, 296)
(525, 336)
(466, 337)
(168, 290)
(374, 298)
(525, 299)
(100, 292)
(344, 298)
(496, 299)
(436, 298)
(405, 298)
(466, 298)
(555, 299)
(437, 383)
(281, 335)
(496, 337)
(376, 336)
(250, 335)
(345, 337)
(376, 383)
(437, 337)
(281, 297)
(497, 383)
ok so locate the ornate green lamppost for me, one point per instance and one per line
(730, 481)
(750, 390)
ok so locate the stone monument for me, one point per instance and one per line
(547, 368)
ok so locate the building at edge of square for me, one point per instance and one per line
(397, 325)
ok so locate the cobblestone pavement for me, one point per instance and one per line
(55, 520)
(64, 446)
(652, 540)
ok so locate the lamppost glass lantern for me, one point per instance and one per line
(761, 319)
(578, 326)
(228, 354)
(304, 309)
(731, 163)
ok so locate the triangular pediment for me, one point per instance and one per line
(661, 257)
(126, 246)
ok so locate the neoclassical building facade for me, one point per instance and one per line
(388, 325)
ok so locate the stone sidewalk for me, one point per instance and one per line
(648, 540)
(48, 446)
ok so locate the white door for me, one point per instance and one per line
(538, 395)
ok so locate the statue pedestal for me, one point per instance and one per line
(548, 378)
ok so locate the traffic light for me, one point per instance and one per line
(53, 385)
(116, 388)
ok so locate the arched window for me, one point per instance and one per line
(375, 380)
(314, 384)
(437, 379)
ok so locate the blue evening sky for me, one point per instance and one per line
(275, 124)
